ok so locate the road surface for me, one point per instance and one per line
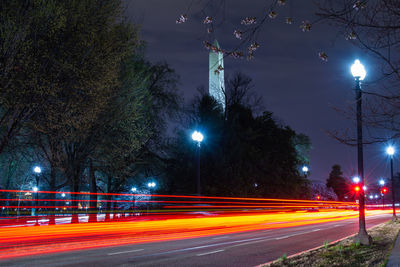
(249, 248)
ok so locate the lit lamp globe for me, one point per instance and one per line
(356, 179)
(305, 169)
(358, 70)
(37, 169)
(197, 136)
(390, 151)
(382, 182)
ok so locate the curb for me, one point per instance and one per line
(315, 248)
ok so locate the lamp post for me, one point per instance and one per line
(198, 137)
(305, 171)
(390, 151)
(359, 73)
(133, 190)
(150, 185)
(37, 170)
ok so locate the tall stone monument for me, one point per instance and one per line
(216, 86)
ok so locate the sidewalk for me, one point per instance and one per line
(394, 258)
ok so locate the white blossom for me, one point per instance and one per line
(182, 18)
(249, 20)
(238, 34)
(305, 26)
(323, 56)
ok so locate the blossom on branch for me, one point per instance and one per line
(359, 5)
(323, 56)
(253, 47)
(237, 54)
(238, 34)
(351, 36)
(305, 26)
(183, 18)
(272, 14)
(207, 20)
(249, 20)
(281, 2)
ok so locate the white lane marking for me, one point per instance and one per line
(211, 252)
(316, 230)
(220, 237)
(121, 252)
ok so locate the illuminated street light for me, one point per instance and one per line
(381, 182)
(356, 179)
(133, 189)
(359, 73)
(358, 70)
(150, 185)
(35, 189)
(305, 169)
(376, 196)
(371, 196)
(390, 151)
(63, 195)
(198, 137)
(37, 169)
(364, 188)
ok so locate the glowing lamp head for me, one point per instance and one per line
(381, 182)
(35, 189)
(133, 189)
(371, 196)
(358, 71)
(304, 169)
(364, 188)
(356, 179)
(318, 197)
(63, 195)
(357, 188)
(37, 169)
(197, 136)
(390, 151)
(384, 190)
(151, 184)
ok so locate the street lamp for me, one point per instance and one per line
(37, 170)
(359, 73)
(305, 170)
(381, 182)
(390, 151)
(198, 137)
(356, 179)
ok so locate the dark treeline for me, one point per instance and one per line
(79, 99)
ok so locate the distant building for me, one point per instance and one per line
(216, 86)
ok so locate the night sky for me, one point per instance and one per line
(296, 85)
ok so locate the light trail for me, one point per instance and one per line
(17, 241)
(114, 219)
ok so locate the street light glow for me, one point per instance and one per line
(197, 136)
(37, 169)
(133, 189)
(63, 195)
(364, 188)
(356, 179)
(151, 184)
(357, 70)
(305, 169)
(381, 182)
(35, 189)
(390, 151)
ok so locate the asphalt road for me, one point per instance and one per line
(239, 249)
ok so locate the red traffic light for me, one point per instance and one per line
(384, 190)
(318, 197)
(357, 188)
